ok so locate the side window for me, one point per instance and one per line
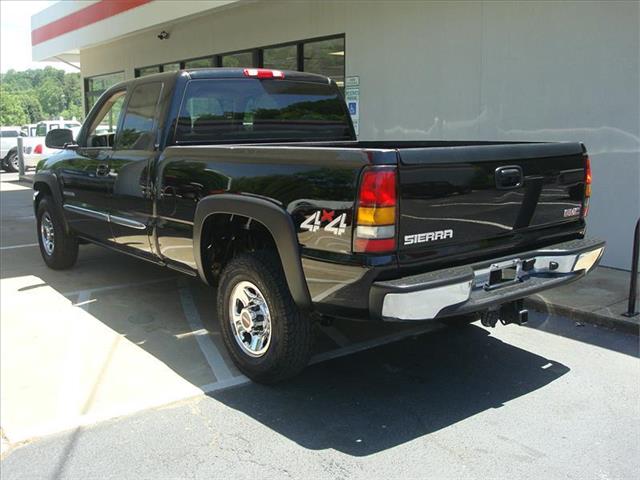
(138, 128)
(103, 127)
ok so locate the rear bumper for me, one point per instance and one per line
(464, 289)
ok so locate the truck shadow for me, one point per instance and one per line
(375, 400)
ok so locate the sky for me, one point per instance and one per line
(15, 35)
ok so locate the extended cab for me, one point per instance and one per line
(253, 180)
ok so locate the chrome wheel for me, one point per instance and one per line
(47, 233)
(14, 162)
(250, 319)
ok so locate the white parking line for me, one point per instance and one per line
(10, 247)
(230, 382)
(376, 342)
(215, 360)
(336, 335)
(118, 286)
(68, 400)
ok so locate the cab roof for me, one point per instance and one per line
(226, 72)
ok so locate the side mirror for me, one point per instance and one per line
(59, 138)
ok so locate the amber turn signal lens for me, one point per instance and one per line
(376, 215)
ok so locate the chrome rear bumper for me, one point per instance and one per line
(471, 288)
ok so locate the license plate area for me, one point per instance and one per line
(504, 273)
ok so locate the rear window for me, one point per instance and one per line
(251, 110)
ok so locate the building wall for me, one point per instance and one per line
(535, 71)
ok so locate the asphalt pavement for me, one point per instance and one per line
(553, 399)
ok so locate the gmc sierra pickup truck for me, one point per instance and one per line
(252, 179)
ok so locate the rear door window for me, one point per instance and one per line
(138, 127)
(252, 110)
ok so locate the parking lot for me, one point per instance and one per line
(115, 369)
(111, 336)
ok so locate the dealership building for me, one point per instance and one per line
(478, 70)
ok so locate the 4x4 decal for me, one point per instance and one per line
(336, 225)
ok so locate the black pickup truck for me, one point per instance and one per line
(253, 179)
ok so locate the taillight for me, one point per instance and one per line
(263, 73)
(376, 211)
(587, 186)
(38, 148)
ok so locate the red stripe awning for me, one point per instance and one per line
(93, 13)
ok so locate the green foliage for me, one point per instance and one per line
(11, 111)
(51, 97)
(39, 94)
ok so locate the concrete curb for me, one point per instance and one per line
(615, 322)
(26, 178)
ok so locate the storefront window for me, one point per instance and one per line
(205, 62)
(284, 58)
(141, 72)
(244, 59)
(96, 86)
(171, 67)
(325, 57)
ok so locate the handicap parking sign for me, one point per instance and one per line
(352, 108)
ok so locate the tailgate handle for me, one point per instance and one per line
(509, 177)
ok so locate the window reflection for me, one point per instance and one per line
(325, 57)
(206, 62)
(96, 86)
(244, 59)
(283, 58)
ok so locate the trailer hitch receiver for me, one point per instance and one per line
(512, 312)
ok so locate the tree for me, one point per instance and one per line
(72, 90)
(11, 111)
(51, 97)
(31, 106)
(42, 93)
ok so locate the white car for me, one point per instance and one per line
(46, 126)
(30, 129)
(8, 147)
(35, 148)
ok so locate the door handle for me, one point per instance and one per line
(102, 170)
(509, 177)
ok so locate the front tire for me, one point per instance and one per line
(267, 336)
(59, 249)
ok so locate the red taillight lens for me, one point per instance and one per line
(374, 246)
(375, 229)
(587, 186)
(263, 73)
(38, 148)
(378, 188)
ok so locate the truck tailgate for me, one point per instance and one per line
(486, 194)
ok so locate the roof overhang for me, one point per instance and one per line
(62, 30)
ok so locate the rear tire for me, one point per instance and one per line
(59, 249)
(285, 351)
(11, 162)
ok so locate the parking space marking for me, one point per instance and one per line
(376, 342)
(26, 245)
(215, 360)
(336, 335)
(118, 286)
(84, 299)
(328, 292)
(67, 398)
(231, 382)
